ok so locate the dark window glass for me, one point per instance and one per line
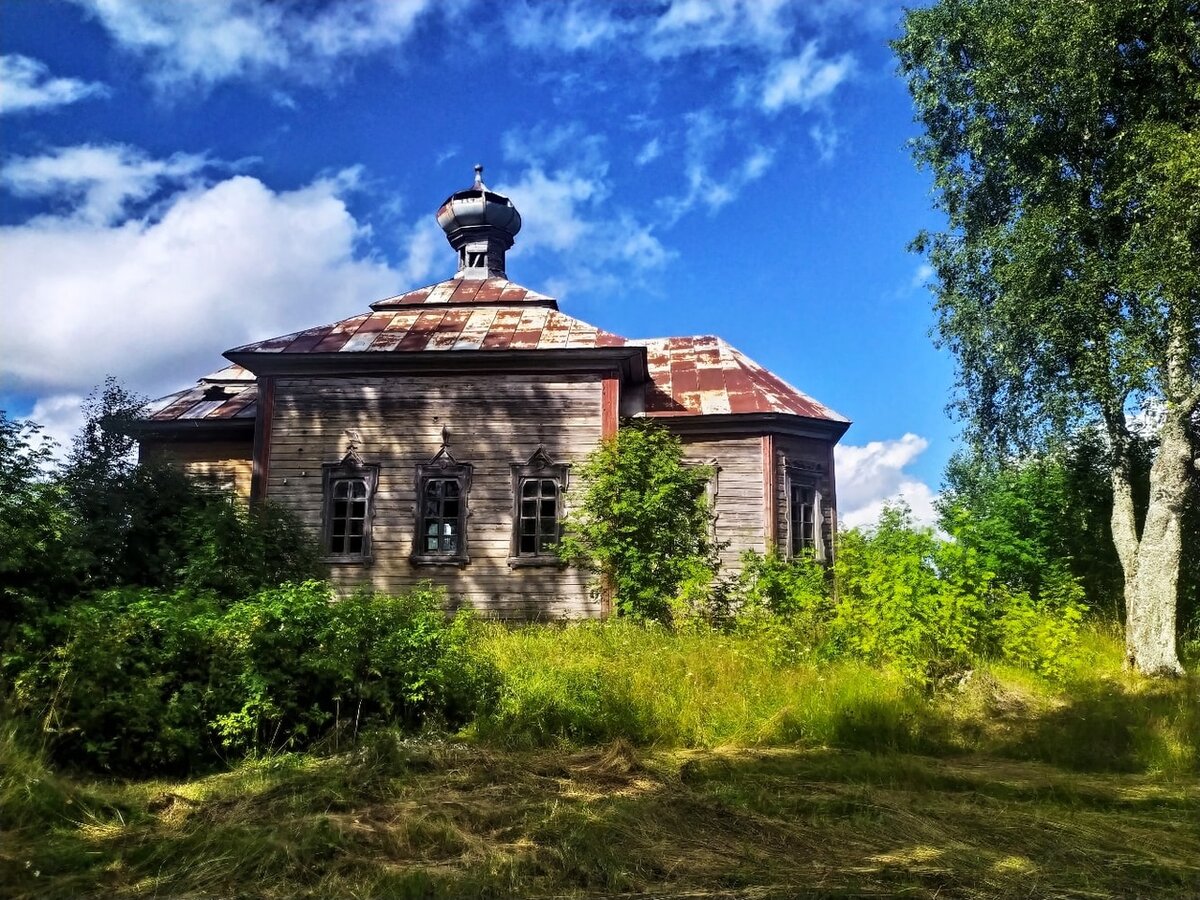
(347, 515)
(537, 532)
(801, 510)
(441, 516)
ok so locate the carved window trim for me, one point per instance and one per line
(800, 477)
(443, 467)
(351, 469)
(539, 466)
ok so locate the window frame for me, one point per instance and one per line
(805, 479)
(538, 467)
(350, 468)
(442, 467)
(712, 489)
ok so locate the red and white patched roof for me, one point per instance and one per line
(689, 376)
(705, 376)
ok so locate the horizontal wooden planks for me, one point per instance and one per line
(739, 500)
(489, 421)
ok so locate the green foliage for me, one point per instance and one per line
(139, 680)
(639, 518)
(1042, 634)
(932, 606)
(36, 551)
(124, 683)
(303, 663)
(1048, 510)
(1063, 140)
(907, 598)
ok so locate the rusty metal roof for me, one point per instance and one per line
(703, 375)
(469, 291)
(447, 328)
(230, 393)
(690, 376)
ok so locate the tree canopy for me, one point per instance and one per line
(1064, 141)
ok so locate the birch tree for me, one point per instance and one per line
(1063, 137)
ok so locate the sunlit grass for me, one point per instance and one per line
(621, 759)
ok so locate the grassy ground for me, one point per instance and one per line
(818, 780)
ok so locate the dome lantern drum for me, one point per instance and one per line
(480, 225)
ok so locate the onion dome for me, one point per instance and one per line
(480, 224)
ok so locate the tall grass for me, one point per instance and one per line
(593, 682)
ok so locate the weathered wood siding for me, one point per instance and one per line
(807, 452)
(491, 422)
(739, 492)
(226, 463)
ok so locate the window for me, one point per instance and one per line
(801, 518)
(804, 515)
(441, 527)
(712, 489)
(538, 487)
(349, 491)
(442, 498)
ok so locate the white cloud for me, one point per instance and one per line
(154, 301)
(826, 138)
(872, 475)
(61, 417)
(99, 181)
(203, 42)
(650, 151)
(805, 79)
(571, 26)
(563, 213)
(922, 275)
(26, 84)
(707, 133)
(689, 25)
(425, 251)
(561, 190)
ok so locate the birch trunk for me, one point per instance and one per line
(1151, 595)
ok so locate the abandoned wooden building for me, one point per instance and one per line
(433, 437)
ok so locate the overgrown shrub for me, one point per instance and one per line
(640, 520)
(295, 663)
(124, 682)
(931, 606)
(139, 680)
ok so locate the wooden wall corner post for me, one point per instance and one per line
(833, 522)
(261, 464)
(610, 405)
(770, 495)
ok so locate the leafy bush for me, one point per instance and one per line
(124, 684)
(931, 606)
(297, 664)
(138, 680)
(640, 519)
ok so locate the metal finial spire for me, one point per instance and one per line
(479, 177)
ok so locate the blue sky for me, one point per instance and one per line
(180, 178)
